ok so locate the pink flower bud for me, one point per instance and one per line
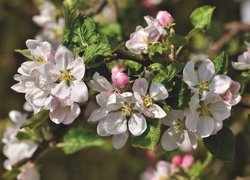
(116, 69)
(187, 161)
(164, 18)
(177, 160)
(119, 78)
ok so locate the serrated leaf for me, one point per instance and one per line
(222, 144)
(37, 120)
(150, 138)
(26, 53)
(201, 17)
(174, 68)
(221, 63)
(78, 139)
(158, 48)
(155, 67)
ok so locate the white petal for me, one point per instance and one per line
(116, 123)
(217, 126)
(115, 102)
(101, 131)
(17, 116)
(64, 58)
(191, 120)
(157, 111)
(39, 49)
(173, 117)
(205, 126)
(189, 75)
(79, 92)
(137, 124)
(158, 92)
(72, 114)
(103, 98)
(78, 70)
(120, 140)
(194, 103)
(97, 115)
(206, 70)
(61, 90)
(221, 110)
(170, 140)
(192, 138)
(240, 66)
(220, 84)
(140, 86)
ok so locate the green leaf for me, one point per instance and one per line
(26, 53)
(174, 68)
(221, 63)
(177, 40)
(160, 77)
(222, 144)
(155, 67)
(82, 38)
(195, 169)
(78, 139)
(37, 120)
(150, 138)
(12, 174)
(28, 134)
(158, 48)
(201, 17)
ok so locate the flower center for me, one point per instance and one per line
(58, 33)
(179, 127)
(203, 85)
(205, 110)
(41, 60)
(127, 109)
(163, 178)
(147, 101)
(66, 77)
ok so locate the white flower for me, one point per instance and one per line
(123, 117)
(146, 100)
(174, 136)
(63, 111)
(66, 74)
(243, 60)
(206, 117)
(29, 172)
(14, 149)
(204, 80)
(47, 13)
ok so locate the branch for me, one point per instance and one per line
(98, 8)
(232, 29)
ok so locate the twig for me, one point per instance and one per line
(97, 8)
(232, 29)
(112, 6)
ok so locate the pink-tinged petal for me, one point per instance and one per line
(173, 117)
(78, 70)
(158, 92)
(220, 84)
(116, 123)
(206, 71)
(187, 161)
(164, 18)
(101, 131)
(140, 86)
(98, 115)
(79, 92)
(163, 168)
(120, 140)
(72, 114)
(27, 67)
(235, 100)
(171, 140)
(61, 90)
(205, 126)
(137, 124)
(64, 59)
(157, 111)
(192, 138)
(221, 110)
(58, 115)
(189, 75)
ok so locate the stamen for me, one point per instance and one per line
(205, 110)
(41, 60)
(147, 101)
(127, 110)
(66, 77)
(203, 85)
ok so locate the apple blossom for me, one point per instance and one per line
(146, 100)
(204, 81)
(164, 18)
(243, 61)
(231, 95)
(119, 78)
(206, 117)
(16, 150)
(29, 172)
(174, 136)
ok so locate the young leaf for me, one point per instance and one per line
(201, 17)
(158, 48)
(150, 138)
(174, 68)
(26, 53)
(77, 139)
(221, 63)
(37, 120)
(222, 144)
(160, 77)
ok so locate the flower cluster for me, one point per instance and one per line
(166, 170)
(53, 81)
(121, 113)
(16, 150)
(154, 32)
(52, 26)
